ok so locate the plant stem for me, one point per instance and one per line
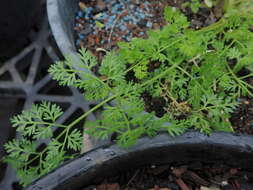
(85, 115)
(126, 120)
(160, 50)
(184, 71)
(216, 106)
(160, 75)
(72, 124)
(246, 76)
(240, 82)
(47, 123)
(65, 139)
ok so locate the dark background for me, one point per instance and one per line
(16, 20)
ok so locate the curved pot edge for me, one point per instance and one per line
(59, 31)
(71, 170)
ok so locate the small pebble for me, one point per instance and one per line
(149, 24)
(80, 14)
(81, 36)
(82, 6)
(78, 42)
(123, 27)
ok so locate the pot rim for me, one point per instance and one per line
(232, 148)
(59, 31)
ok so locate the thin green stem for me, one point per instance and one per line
(160, 75)
(126, 120)
(72, 124)
(246, 84)
(214, 26)
(173, 43)
(85, 115)
(240, 82)
(132, 67)
(160, 50)
(65, 139)
(46, 123)
(188, 74)
(90, 74)
(246, 76)
(40, 164)
(101, 127)
(36, 157)
(216, 106)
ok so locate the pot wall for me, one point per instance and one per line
(61, 15)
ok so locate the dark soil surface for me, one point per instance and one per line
(101, 24)
(242, 118)
(104, 23)
(195, 176)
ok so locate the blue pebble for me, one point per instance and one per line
(122, 27)
(76, 14)
(142, 16)
(78, 41)
(91, 21)
(110, 20)
(103, 16)
(115, 3)
(81, 36)
(239, 100)
(114, 9)
(89, 9)
(78, 25)
(80, 13)
(149, 24)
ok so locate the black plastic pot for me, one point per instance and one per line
(234, 150)
(16, 20)
(61, 15)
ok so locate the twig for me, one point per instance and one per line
(113, 26)
(181, 184)
(196, 178)
(132, 178)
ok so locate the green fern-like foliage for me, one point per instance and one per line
(72, 73)
(24, 155)
(197, 77)
(197, 74)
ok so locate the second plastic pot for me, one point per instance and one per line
(232, 150)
